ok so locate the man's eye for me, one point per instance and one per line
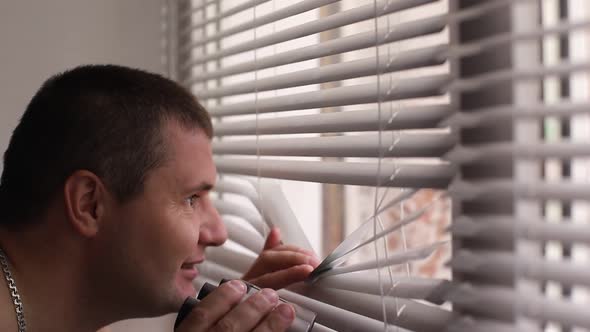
(192, 200)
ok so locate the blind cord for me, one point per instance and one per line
(378, 177)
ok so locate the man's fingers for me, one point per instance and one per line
(247, 315)
(273, 239)
(289, 247)
(221, 311)
(283, 278)
(278, 260)
(213, 307)
(271, 261)
(278, 320)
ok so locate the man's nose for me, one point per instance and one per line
(213, 231)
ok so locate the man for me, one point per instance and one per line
(104, 211)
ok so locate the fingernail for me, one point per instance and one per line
(313, 261)
(308, 268)
(270, 295)
(238, 286)
(286, 311)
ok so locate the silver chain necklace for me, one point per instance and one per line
(18, 304)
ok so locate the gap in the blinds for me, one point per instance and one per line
(302, 198)
(429, 228)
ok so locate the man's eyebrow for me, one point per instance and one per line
(204, 186)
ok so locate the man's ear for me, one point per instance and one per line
(85, 198)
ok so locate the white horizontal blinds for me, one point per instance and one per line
(573, 48)
(473, 211)
(435, 175)
(255, 65)
(410, 145)
(352, 121)
(555, 285)
(340, 71)
(519, 246)
(334, 47)
(578, 49)
(407, 145)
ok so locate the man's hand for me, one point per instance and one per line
(222, 311)
(280, 265)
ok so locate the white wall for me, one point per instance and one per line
(41, 38)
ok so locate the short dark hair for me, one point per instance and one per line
(106, 119)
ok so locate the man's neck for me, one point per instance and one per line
(7, 310)
(49, 274)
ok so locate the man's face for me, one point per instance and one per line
(163, 233)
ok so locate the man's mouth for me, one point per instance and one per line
(191, 265)
(189, 270)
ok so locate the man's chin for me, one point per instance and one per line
(191, 291)
(185, 289)
(178, 299)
